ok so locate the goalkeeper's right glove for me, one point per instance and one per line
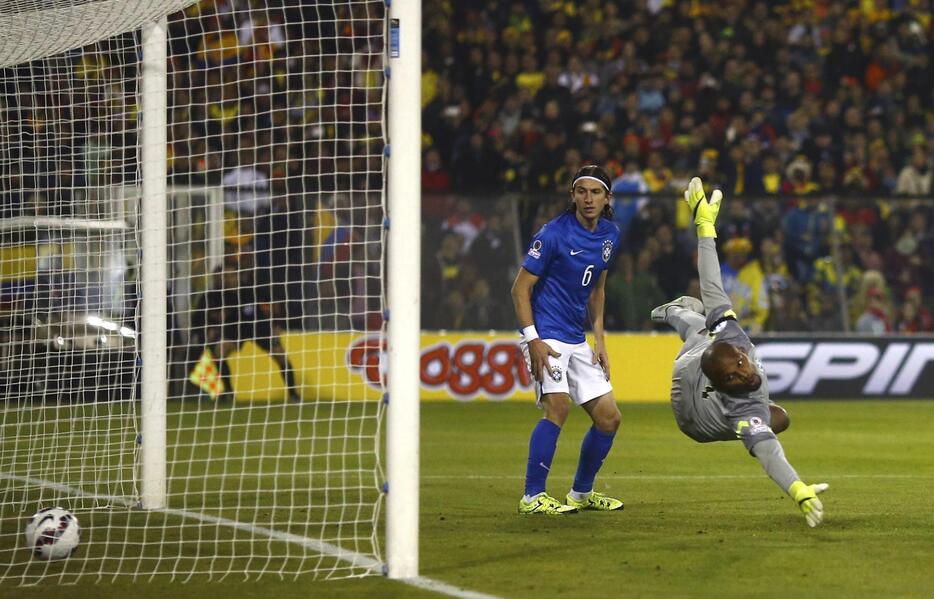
(806, 498)
(705, 212)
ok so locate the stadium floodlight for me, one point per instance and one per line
(206, 207)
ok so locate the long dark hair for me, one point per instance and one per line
(592, 170)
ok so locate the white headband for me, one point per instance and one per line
(574, 182)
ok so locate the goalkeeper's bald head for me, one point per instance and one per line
(729, 368)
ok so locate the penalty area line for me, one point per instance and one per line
(352, 557)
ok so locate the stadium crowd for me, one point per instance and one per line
(278, 104)
(816, 119)
(817, 114)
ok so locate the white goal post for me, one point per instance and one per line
(208, 210)
(153, 266)
(405, 23)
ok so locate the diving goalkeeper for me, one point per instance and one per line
(719, 391)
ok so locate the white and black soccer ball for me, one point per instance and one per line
(53, 533)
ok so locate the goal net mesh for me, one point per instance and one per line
(275, 137)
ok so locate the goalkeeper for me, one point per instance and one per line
(719, 391)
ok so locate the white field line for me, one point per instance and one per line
(352, 557)
(688, 477)
(700, 477)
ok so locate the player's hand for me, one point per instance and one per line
(601, 357)
(806, 498)
(705, 211)
(538, 355)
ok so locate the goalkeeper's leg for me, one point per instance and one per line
(686, 322)
(682, 314)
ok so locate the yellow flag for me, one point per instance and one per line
(206, 376)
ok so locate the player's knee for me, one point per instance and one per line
(557, 407)
(612, 423)
(609, 422)
(780, 419)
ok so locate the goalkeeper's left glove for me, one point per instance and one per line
(806, 498)
(705, 212)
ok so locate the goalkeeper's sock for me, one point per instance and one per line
(542, 446)
(594, 449)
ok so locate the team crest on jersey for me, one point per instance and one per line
(607, 250)
(756, 426)
(536, 250)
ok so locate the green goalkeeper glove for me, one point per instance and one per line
(806, 498)
(705, 212)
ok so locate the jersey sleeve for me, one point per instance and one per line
(708, 268)
(721, 322)
(541, 251)
(751, 425)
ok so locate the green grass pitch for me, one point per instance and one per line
(700, 520)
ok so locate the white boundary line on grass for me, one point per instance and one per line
(649, 476)
(681, 476)
(354, 558)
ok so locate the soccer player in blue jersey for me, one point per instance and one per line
(561, 280)
(719, 391)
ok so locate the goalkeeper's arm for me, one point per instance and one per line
(770, 454)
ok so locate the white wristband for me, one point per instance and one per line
(529, 333)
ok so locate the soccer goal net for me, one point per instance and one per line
(272, 220)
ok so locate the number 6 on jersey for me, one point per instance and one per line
(588, 273)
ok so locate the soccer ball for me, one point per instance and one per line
(53, 533)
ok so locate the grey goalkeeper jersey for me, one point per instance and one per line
(703, 413)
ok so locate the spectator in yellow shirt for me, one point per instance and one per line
(744, 281)
(657, 176)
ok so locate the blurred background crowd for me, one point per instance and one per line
(281, 106)
(278, 105)
(816, 119)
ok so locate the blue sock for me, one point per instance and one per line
(542, 446)
(594, 448)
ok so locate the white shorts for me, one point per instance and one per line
(573, 373)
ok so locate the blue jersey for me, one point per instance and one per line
(568, 259)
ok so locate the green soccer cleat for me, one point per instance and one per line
(596, 501)
(544, 503)
(685, 301)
